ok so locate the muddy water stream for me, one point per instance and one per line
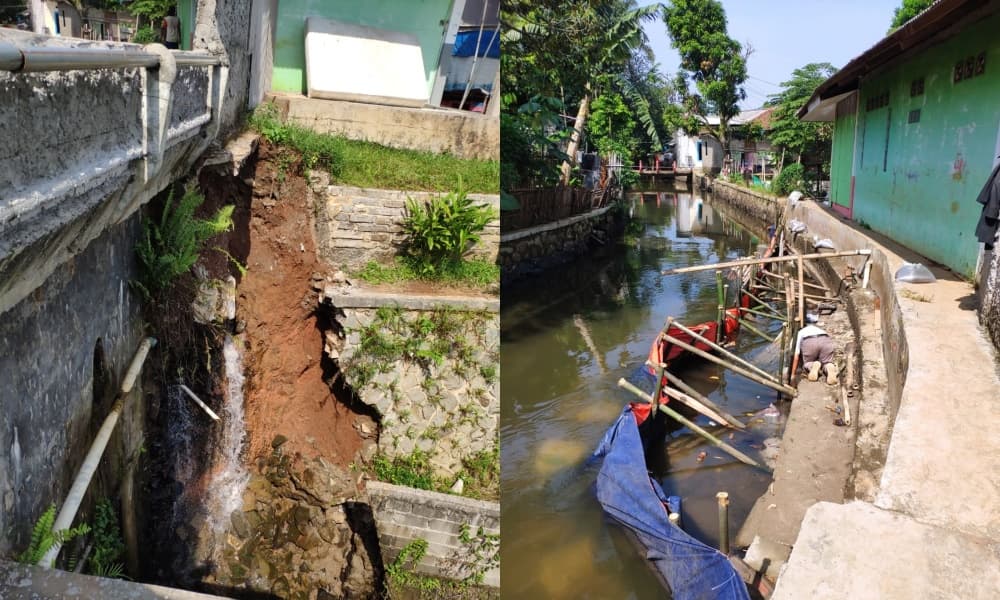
(566, 338)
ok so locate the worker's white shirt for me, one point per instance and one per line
(807, 331)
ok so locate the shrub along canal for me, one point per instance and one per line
(567, 336)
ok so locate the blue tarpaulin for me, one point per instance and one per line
(628, 494)
(465, 43)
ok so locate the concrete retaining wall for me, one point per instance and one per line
(880, 407)
(761, 208)
(534, 249)
(448, 410)
(459, 133)
(404, 514)
(49, 407)
(357, 225)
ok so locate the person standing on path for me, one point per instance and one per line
(817, 349)
(170, 29)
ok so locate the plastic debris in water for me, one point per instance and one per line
(701, 456)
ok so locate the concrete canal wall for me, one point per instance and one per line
(533, 249)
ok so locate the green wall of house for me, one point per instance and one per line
(917, 182)
(186, 13)
(842, 151)
(426, 19)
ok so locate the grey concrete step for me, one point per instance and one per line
(24, 582)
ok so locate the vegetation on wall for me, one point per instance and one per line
(790, 178)
(442, 230)
(170, 246)
(366, 164)
(44, 539)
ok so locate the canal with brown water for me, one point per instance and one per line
(567, 336)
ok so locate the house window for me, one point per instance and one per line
(969, 67)
(877, 102)
(917, 87)
(914, 116)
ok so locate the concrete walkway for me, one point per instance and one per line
(934, 528)
(24, 582)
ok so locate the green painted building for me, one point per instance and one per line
(917, 130)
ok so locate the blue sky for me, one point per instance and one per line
(787, 34)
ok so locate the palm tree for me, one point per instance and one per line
(617, 31)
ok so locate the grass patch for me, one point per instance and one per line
(366, 164)
(412, 471)
(474, 272)
(915, 295)
(480, 472)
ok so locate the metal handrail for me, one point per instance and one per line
(51, 58)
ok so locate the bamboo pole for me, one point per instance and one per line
(802, 300)
(807, 284)
(721, 416)
(749, 325)
(723, 499)
(766, 381)
(771, 259)
(781, 354)
(720, 349)
(743, 458)
(720, 319)
(762, 313)
(794, 334)
(690, 397)
(753, 297)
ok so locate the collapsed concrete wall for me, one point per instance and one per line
(429, 365)
(357, 225)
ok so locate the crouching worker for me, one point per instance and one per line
(817, 349)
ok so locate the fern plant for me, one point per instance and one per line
(43, 538)
(170, 247)
(443, 229)
(108, 544)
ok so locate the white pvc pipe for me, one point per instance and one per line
(203, 406)
(90, 463)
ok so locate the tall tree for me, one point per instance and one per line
(618, 32)
(715, 63)
(906, 11)
(787, 131)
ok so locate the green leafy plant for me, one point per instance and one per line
(443, 229)
(108, 545)
(170, 247)
(790, 178)
(412, 471)
(43, 538)
(145, 35)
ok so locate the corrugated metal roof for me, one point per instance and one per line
(930, 23)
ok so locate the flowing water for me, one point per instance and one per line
(566, 339)
(230, 475)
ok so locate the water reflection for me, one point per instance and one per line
(566, 338)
